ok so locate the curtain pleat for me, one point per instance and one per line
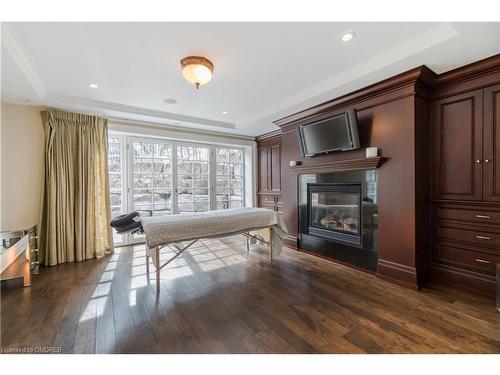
(75, 213)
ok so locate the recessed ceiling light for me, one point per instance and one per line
(93, 85)
(170, 101)
(224, 112)
(347, 36)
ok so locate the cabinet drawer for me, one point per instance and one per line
(475, 216)
(467, 258)
(279, 201)
(266, 202)
(266, 198)
(470, 236)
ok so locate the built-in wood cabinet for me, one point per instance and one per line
(467, 146)
(275, 164)
(491, 144)
(466, 187)
(270, 165)
(458, 136)
(273, 202)
(269, 174)
(263, 168)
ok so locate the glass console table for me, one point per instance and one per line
(18, 256)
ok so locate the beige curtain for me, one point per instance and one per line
(75, 214)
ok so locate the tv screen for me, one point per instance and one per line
(337, 133)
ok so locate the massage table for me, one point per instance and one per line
(180, 232)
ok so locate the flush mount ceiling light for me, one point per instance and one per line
(197, 70)
(93, 85)
(224, 112)
(348, 36)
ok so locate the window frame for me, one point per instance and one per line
(130, 169)
(210, 157)
(243, 172)
(123, 168)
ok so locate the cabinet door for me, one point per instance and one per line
(263, 169)
(458, 128)
(491, 188)
(275, 167)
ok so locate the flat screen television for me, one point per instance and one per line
(337, 133)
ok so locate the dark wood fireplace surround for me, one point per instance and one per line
(438, 180)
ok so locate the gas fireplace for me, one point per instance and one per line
(334, 211)
(338, 216)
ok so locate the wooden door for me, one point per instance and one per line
(275, 167)
(458, 128)
(491, 144)
(263, 169)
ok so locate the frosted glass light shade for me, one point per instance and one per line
(197, 70)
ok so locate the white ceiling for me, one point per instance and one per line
(263, 71)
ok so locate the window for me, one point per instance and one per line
(229, 177)
(161, 177)
(192, 179)
(115, 179)
(151, 178)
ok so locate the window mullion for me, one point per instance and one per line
(174, 199)
(212, 178)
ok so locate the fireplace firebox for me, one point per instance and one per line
(334, 212)
(338, 216)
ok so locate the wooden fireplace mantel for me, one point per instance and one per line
(341, 165)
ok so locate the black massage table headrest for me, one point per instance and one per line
(127, 223)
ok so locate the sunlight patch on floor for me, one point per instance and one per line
(211, 265)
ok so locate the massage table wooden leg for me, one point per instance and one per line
(270, 245)
(157, 256)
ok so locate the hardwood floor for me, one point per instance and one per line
(216, 298)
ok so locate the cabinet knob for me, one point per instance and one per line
(478, 161)
(487, 160)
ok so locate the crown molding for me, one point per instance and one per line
(272, 134)
(470, 71)
(56, 99)
(400, 85)
(21, 58)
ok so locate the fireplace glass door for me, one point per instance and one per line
(335, 211)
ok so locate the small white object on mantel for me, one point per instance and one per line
(371, 152)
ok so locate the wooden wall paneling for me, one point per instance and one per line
(431, 131)
(379, 125)
(423, 187)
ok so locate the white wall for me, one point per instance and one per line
(21, 162)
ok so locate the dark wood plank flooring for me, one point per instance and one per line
(216, 298)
